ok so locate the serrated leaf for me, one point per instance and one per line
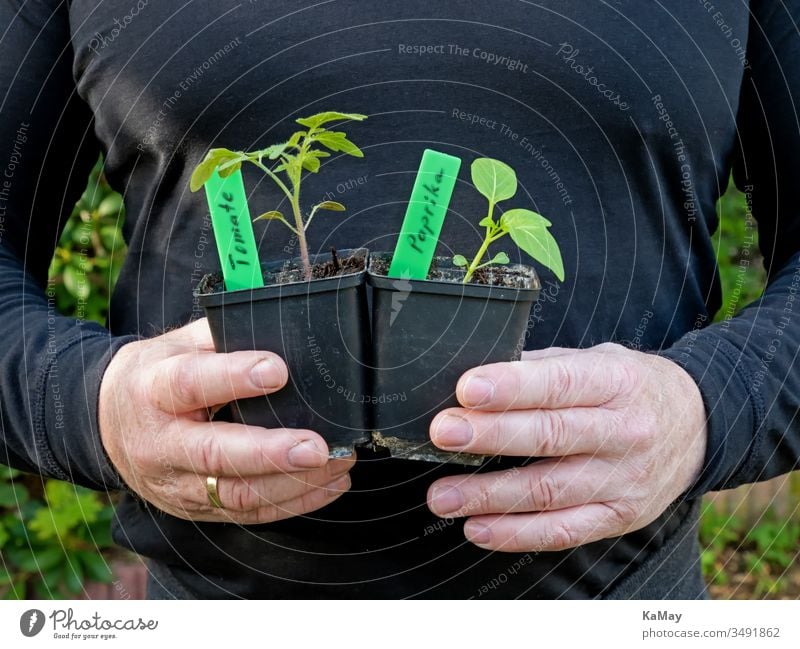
(311, 163)
(459, 260)
(273, 152)
(315, 121)
(337, 141)
(494, 179)
(486, 221)
(332, 206)
(295, 139)
(529, 231)
(272, 215)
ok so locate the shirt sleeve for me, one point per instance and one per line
(50, 365)
(745, 367)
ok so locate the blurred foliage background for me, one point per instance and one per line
(55, 536)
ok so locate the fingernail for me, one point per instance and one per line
(452, 431)
(266, 374)
(446, 500)
(306, 455)
(338, 486)
(477, 391)
(477, 533)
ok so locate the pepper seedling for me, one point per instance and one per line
(290, 158)
(498, 182)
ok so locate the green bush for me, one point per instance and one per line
(50, 543)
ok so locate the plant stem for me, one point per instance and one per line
(481, 252)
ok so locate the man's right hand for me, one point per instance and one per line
(156, 397)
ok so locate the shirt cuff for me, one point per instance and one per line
(66, 422)
(718, 369)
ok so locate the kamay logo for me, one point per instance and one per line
(31, 622)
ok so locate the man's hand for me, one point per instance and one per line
(624, 431)
(155, 400)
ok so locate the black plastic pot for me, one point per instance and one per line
(321, 329)
(425, 335)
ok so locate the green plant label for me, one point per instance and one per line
(427, 208)
(233, 231)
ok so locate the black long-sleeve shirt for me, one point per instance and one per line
(623, 120)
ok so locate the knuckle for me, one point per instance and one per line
(540, 493)
(622, 513)
(560, 382)
(183, 384)
(624, 377)
(552, 436)
(242, 496)
(209, 456)
(561, 536)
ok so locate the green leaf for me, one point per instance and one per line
(273, 215)
(486, 222)
(529, 231)
(311, 163)
(111, 206)
(75, 282)
(494, 179)
(111, 237)
(272, 152)
(4, 537)
(332, 206)
(459, 260)
(69, 508)
(337, 141)
(5, 577)
(500, 258)
(7, 473)
(230, 167)
(295, 139)
(37, 560)
(73, 577)
(202, 173)
(13, 495)
(95, 565)
(315, 121)
(214, 158)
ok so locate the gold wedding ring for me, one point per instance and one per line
(213, 494)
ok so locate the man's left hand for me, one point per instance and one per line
(623, 434)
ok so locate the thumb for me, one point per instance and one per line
(196, 334)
